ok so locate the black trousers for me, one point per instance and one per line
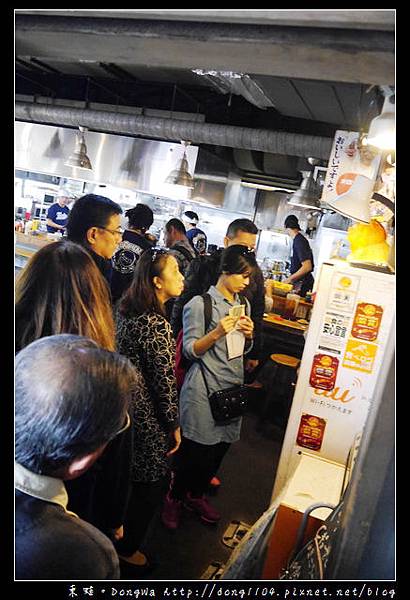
(144, 501)
(194, 466)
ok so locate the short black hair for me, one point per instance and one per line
(190, 214)
(291, 222)
(89, 211)
(176, 224)
(71, 397)
(141, 216)
(245, 225)
(237, 259)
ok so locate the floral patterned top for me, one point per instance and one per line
(148, 342)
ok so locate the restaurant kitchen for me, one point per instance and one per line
(226, 185)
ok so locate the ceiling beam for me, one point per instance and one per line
(358, 56)
(375, 19)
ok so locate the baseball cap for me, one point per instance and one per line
(292, 222)
(65, 193)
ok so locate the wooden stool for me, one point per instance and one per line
(281, 386)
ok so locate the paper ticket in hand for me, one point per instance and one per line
(235, 343)
(237, 311)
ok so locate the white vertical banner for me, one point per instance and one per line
(348, 159)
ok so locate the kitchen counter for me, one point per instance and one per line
(278, 322)
(282, 336)
(26, 245)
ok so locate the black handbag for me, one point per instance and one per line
(227, 404)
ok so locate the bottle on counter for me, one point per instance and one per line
(19, 226)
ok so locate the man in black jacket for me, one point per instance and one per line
(176, 240)
(203, 272)
(94, 222)
(134, 241)
(71, 400)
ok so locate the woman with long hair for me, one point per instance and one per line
(204, 442)
(61, 290)
(145, 337)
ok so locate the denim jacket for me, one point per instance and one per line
(195, 414)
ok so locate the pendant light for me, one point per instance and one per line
(382, 130)
(355, 203)
(79, 158)
(181, 175)
(307, 195)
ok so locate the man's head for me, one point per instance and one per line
(174, 232)
(71, 399)
(190, 219)
(292, 225)
(243, 232)
(94, 222)
(140, 217)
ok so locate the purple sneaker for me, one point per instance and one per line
(202, 507)
(171, 512)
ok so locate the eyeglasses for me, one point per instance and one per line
(157, 251)
(113, 231)
(124, 428)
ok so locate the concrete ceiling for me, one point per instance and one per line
(319, 69)
(376, 19)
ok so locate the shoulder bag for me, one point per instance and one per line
(227, 404)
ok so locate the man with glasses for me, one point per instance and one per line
(94, 222)
(62, 426)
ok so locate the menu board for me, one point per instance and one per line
(342, 358)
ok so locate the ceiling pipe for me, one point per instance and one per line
(262, 140)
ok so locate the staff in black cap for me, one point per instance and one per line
(301, 264)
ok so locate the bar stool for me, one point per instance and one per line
(279, 382)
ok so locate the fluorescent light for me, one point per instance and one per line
(268, 188)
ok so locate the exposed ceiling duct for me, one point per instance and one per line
(227, 82)
(263, 140)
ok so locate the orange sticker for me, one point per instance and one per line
(324, 372)
(360, 356)
(345, 182)
(366, 322)
(311, 432)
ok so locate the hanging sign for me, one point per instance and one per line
(347, 160)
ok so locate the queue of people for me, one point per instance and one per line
(111, 442)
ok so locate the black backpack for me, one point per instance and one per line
(182, 363)
(200, 275)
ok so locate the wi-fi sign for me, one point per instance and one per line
(357, 382)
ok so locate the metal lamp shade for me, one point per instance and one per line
(79, 158)
(355, 203)
(382, 131)
(181, 176)
(306, 196)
